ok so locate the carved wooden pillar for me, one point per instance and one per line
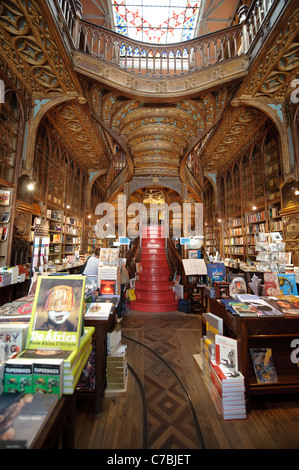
(290, 217)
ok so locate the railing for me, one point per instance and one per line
(159, 60)
(154, 60)
(117, 165)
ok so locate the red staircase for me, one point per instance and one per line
(153, 290)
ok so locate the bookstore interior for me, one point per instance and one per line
(98, 128)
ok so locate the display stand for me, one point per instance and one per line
(274, 333)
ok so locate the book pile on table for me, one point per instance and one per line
(5, 278)
(116, 366)
(72, 362)
(227, 382)
(13, 270)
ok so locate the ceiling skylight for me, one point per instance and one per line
(156, 21)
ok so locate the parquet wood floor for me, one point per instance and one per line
(161, 357)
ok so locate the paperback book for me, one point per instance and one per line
(287, 284)
(226, 352)
(57, 312)
(284, 306)
(237, 284)
(263, 365)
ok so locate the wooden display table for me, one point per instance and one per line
(100, 338)
(275, 333)
(59, 431)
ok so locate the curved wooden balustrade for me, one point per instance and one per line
(175, 261)
(159, 61)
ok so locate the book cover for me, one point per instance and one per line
(216, 269)
(12, 339)
(294, 299)
(47, 376)
(244, 309)
(99, 310)
(255, 282)
(108, 287)
(263, 365)
(271, 284)
(284, 306)
(18, 376)
(69, 357)
(287, 284)
(237, 284)
(265, 307)
(214, 325)
(24, 416)
(221, 289)
(57, 313)
(226, 352)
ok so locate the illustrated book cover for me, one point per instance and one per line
(271, 284)
(237, 284)
(263, 365)
(57, 313)
(227, 352)
(287, 284)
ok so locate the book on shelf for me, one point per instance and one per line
(263, 365)
(5, 217)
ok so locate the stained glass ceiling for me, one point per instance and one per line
(156, 21)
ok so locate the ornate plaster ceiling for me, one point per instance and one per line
(156, 137)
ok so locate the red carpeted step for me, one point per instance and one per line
(153, 289)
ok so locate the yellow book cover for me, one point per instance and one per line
(57, 313)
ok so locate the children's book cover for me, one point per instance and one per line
(263, 365)
(57, 313)
(287, 284)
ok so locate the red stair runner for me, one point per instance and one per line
(153, 290)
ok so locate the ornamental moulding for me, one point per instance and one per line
(132, 83)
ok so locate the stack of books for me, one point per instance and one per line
(227, 382)
(116, 373)
(73, 362)
(228, 392)
(5, 278)
(214, 325)
(117, 367)
(13, 270)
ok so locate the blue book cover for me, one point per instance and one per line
(287, 284)
(216, 269)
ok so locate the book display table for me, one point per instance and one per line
(275, 333)
(59, 430)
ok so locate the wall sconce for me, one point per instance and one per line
(254, 208)
(68, 206)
